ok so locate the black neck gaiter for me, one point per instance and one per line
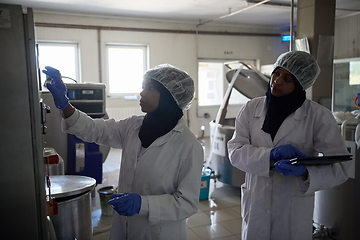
(162, 120)
(278, 108)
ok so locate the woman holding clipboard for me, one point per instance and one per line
(277, 196)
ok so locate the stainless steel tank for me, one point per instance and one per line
(73, 196)
(251, 83)
(337, 208)
(219, 159)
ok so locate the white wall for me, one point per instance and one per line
(179, 49)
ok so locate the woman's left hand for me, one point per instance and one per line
(287, 169)
(126, 204)
(287, 151)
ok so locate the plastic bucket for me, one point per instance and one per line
(205, 184)
(105, 195)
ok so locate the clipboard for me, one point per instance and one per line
(324, 160)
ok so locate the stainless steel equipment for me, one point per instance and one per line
(105, 196)
(337, 208)
(91, 99)
(54, 162)
(88, 97)
(55, 137)
(251, 83)
(220, 162)
(23, 202)
(73, 197)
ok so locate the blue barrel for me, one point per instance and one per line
(205, 184)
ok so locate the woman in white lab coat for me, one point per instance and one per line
(278, 199)
(160, 174)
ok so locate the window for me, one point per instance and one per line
(62, 56)
(210, 83)
(126, 66)
(346, 83)
(213, 84)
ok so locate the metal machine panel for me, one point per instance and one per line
(88, 97)
(337, 208)
(23, 204)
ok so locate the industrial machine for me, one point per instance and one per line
(251, 83)
(336, 210)
(73, 199)
(27, 205)
(23, 204)
(86, 158)
(88, 97)
(81, 158)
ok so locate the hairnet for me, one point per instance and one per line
(176, 81)
(300, 64)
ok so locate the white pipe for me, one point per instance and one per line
(231, 14)
(226, 96)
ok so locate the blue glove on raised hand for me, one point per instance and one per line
(287, 169)
(57, 87)
(126, 204)
(285, 152)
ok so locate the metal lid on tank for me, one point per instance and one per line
(250, 83)
(70, 185)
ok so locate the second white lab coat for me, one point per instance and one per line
(276, 206)
(167, 175)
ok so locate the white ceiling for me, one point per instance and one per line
(273, 14)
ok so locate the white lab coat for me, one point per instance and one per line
(276, 206)
(167, 175)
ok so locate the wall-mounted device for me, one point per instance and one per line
(88, 97)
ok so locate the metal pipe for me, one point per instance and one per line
(292, 26)
(345, 123)
(99, 54)
(94, 27)
(231, 14)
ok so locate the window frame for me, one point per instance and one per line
(125, 95)
(225, 83)
(62, 43)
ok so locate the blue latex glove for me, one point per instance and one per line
(57, 87)
(126, 204)
(287, 169)
(285, 152)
